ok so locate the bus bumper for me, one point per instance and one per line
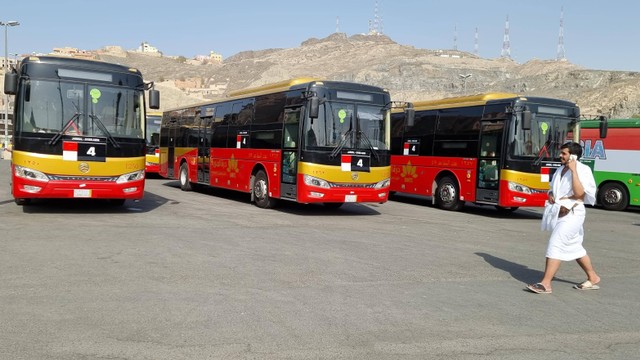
(311, 194)
(74, 189)
(152, 168)
(535, 198)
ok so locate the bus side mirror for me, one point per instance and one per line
(314, 107)
(154, 99)
(526, 120)
(10, 83)
(410, 114)
(604, 126)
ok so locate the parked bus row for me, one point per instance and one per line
(310, 141)
(81, 131)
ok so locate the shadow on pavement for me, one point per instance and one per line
(519, 272)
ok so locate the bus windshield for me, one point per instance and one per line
(153, 130)
(544, 139)
(72, 108)
(347, 125)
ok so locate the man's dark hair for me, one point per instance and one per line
(574, 148)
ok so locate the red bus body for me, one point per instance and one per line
(271, 155)
(478, 149)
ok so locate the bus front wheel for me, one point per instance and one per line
(448, 194)
(261, 191)
(613, 196)
(185, 185)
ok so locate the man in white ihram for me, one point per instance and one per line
(572, 186)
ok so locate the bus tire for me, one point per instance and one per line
(448, 194)
(185, 184)
(613, 196)
(261, 191)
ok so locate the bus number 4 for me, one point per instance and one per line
(91, 151)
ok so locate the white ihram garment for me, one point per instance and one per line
(567, 233)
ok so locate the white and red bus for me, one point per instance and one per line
(79, 129)
(496, 149)
(303, 140)
(614, 159)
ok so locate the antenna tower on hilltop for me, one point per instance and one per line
(375, 27)
(475, 43)
(337, 24)
(561, 55)
(506, 47)
(455, 37)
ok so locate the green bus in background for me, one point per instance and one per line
(614, 159)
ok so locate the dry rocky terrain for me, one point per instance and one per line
(407, 72)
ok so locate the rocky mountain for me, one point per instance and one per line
(407, 72)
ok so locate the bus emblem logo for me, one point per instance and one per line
(83, 167)
(354, 176)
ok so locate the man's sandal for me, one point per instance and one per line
(587, 285)
(538, 289)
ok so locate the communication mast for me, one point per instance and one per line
(375, 26)
(475, 43)
(561, 55)
(455, 37)
(337, 24)
(506, 47)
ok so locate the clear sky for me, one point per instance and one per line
(598, 34)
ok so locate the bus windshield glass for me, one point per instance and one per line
(153, 130)
(71, 108)
(544, 139)
(347, 125)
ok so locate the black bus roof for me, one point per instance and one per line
(94, 65)
(484, 99)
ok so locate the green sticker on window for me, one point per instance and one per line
(95, 95)
(342, 114)
(544, 127)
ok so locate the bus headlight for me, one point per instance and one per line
(383, 184)
(519, 188)
(26, 173)
(136, 175)
(314, 181)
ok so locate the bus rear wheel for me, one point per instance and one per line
(261, 191)
(448, 194)
(185, 185)
(613, 196)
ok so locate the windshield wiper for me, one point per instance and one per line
(367, 142)
(346, 137)
(544, 150)
(101, 126)
(66, 126)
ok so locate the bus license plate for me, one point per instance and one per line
(81, 193)
(350, 198)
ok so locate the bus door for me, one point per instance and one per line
(173, 132)
(204, 147)
(290, 146)
(489, 161)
